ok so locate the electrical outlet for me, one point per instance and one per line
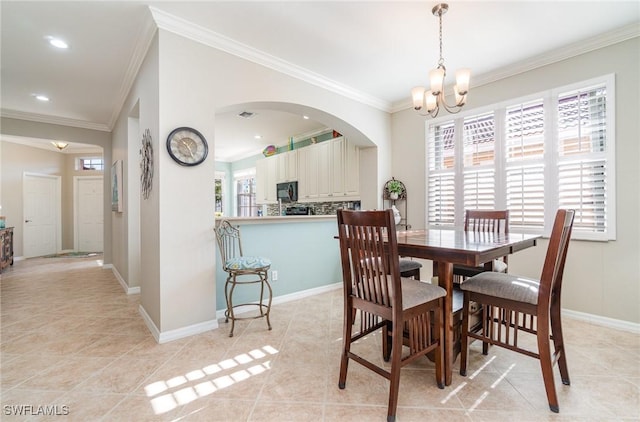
(274, 275)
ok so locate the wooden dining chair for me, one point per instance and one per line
(408, 311)
(484, 221)
(515, 305)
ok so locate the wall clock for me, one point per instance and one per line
(146, 165)
(187, 146)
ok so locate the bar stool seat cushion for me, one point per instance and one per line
(247, 263)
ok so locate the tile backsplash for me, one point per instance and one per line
(317, 208)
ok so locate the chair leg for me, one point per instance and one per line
(349, 313)
(464, 336)
(483, 314)
(265, 282)
(230, 314)
(546, 364)
(387, 341)
(558, 342)
(439, 361)
(396, 357)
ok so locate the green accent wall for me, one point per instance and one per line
(306, 256)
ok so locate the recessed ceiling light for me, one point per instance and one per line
(41, 97)
(258, 137)
(57, 42)
(305, 117)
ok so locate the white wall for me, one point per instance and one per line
(601, 278)
(177, 244)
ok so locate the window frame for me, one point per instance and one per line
(80, 160)
(249, 173)
(551, 158)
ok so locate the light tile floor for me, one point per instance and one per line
(73, 343)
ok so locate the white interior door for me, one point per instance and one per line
(42, 225)
(89, 220)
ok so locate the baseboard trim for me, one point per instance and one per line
(286, 298)
(616, 324)
(167, 336)
(128, 290)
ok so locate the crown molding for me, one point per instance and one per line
(184, 28)
(143, 42)
(587, 45)
(54, 120)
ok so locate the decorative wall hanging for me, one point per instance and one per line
(116, 186)
(146, 165)
(187, 146)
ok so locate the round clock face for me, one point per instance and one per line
(187, 146)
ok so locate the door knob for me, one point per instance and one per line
(27, 221)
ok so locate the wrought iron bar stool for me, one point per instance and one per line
(242, 270)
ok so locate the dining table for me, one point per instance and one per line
(446, 247)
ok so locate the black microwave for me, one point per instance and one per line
(287, 192)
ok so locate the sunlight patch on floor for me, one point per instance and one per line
(472, 376)
(186, 388)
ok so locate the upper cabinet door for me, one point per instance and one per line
(287, 163)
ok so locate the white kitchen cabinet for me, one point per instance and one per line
(329, 171)
(287, 163)
(337, 167)
(351, 170)
(266, 170)
(325, 169)
(308, 174)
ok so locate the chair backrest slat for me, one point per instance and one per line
(496, 221)
(553, 269)
(367, 241)
(228, 238)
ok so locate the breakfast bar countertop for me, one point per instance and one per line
(279, 219)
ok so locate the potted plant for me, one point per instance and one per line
(395, 189)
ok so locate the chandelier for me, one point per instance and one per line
(433, 99)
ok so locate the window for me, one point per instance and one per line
(93, 163)
(245, 185)
(219, 193)
(531, 156)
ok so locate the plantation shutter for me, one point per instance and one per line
(524, 140)
(441, 174)
(582, 158)
(479, 146)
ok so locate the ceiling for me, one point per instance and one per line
(374, 52)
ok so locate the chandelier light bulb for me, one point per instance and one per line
(417, 94)
(462, 81)
(436, 79)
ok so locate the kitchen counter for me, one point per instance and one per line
(302, 249)
(279, 219)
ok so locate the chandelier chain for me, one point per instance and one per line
(441, 61)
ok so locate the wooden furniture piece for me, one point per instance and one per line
(448, 247)
(408, 311)
(6, 247)
(242, 270)
(483, 221)
(514, 305)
